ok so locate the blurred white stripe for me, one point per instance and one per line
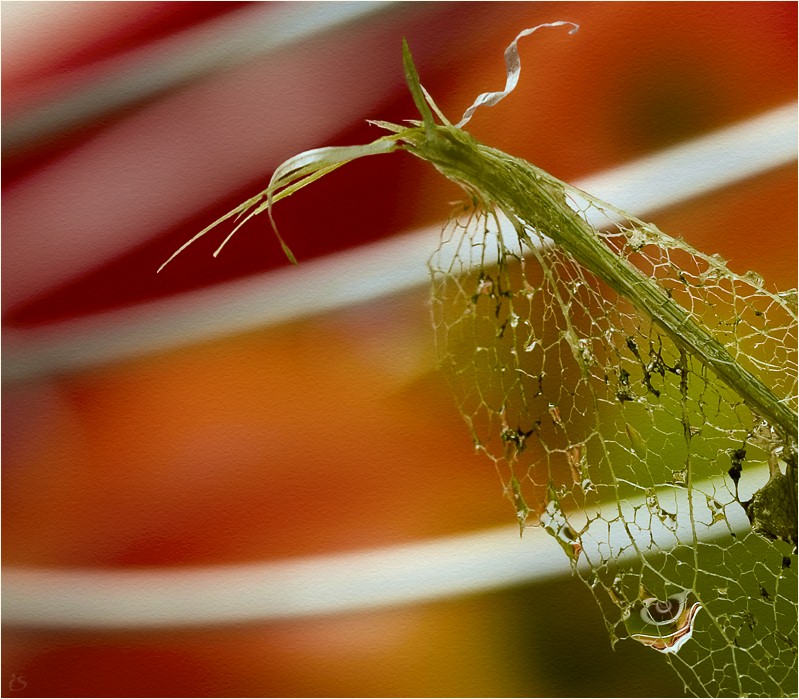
(702, 165)
(258, 30)
(652, 183)
(318, 585)
(414, 573)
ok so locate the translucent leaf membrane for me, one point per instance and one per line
(616, 439)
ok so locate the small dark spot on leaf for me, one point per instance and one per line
(738, 455)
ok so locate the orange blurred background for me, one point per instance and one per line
(331, 431)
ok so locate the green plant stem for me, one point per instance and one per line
(523, 191)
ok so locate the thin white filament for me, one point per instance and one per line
(513, 67)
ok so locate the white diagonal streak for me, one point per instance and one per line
(333, 583)
(652, 183)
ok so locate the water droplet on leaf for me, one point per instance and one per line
(754, 278)
(585, 352)
(791, 299)
(653, 505)
(679, 477)
(563, 533)
(522, 510)
(665, 625)
(636, 440)
(716, 510)
(636, 239)
(485, 286)
(575, 455)
(555, 523)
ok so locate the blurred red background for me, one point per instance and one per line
(331, 432)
